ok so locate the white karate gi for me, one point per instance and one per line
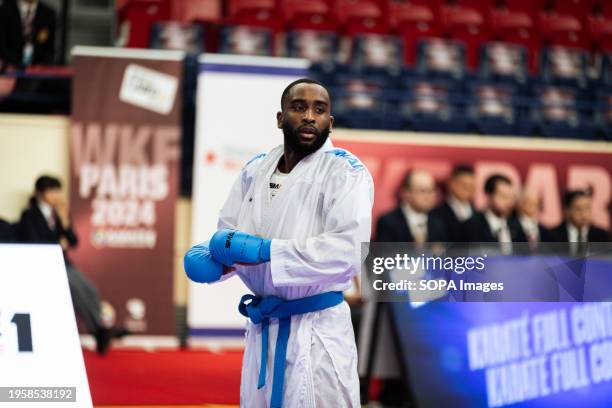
(317, 221)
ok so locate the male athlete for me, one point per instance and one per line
(291, 228)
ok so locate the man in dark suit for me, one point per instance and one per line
(6, 232)
(577, 226)
(47, 220)
(495, 223)
(27, 33)
(410, 221)
(527, 215)
(457, 208)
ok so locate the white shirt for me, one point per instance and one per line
(23, 9)
(417, 222)
(276, 182)
(530, 226)
(574, 235)
(462, 210)
(47, 212)
(499, 227)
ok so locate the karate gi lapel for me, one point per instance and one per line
(272, 208)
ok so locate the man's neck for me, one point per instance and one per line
(496, 214)
(454, 200)
(289, 160)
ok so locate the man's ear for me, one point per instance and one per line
(279, 119)
(331, 122)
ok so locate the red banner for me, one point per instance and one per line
(125, 149)
(550, 167)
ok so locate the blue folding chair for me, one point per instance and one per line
(173, 35)
(246, 40)
(565, 66)
(563, 112)
(377, 54)
(440, 59)
(434, 106)
(603, 113)
(504, 62)
(493, 108)
(365, 102)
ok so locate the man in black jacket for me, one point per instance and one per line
(527, 215)
(410, 221)
(47, 220)
(577, 226)
(6, 232)
(27, 33)
(495, 223)
(457, 208)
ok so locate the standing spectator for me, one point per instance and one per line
(6, 232)
(410, 221)
(457, 208)
(495, 223)
(577, 226)
(47, 220)
(27, 33)
(527, 214)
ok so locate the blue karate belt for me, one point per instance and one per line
(260, 310)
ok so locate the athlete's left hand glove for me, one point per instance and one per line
(231, 246)
(200, 265)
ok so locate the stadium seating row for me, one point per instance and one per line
(474, 106)
(383, 54)
(533, 24)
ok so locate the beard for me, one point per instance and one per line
(292, 139)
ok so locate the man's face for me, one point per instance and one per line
(462, 187)
(51, 196)
(579, 213)
(305, 119)
(502, 200)
(421, 193)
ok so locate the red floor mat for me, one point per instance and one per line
(138, 377)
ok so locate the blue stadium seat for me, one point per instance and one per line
(365, 102)
(605, 74)
(438, 58)
(172, 35)
(564, 66)
(246, 40)
(319, 47)
(504, 62)
(563, 112)
(603, 113)
(493, 108)
(434, 106)
(377, 53)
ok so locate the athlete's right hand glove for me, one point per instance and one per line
(231, 246)
(200, 265)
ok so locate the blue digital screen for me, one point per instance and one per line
(519, 354)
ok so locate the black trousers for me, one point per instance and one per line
(85, 299)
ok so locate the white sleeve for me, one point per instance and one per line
(334, 255)
(228, 216)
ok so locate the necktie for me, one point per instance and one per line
(420, 233)
(51, 222)
(27, 22)
(582, 241)
(28, 48)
